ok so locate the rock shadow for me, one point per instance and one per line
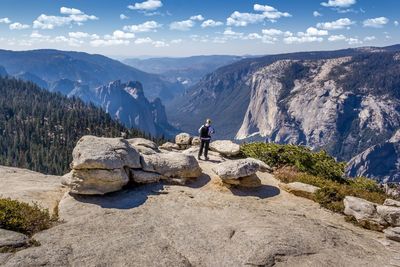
(199, 181)
(263, 191)
(128, 198)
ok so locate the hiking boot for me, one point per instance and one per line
(199, 158)
(206, 158)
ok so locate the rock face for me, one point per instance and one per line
(196, 141)
(31, 187)
(169, 146)
(322, 100)
(364, 212)
(225, 147)
(392, 203)
(201, 225)
(104, 153)
(143, 177)
(12, 239)
(172, 164)
(96, 181)
(144, 146)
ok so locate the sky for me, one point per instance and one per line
(178, 28)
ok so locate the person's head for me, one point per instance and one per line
(208, 122)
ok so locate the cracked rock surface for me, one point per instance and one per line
(204, 224)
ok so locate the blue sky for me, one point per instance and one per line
(123, 28)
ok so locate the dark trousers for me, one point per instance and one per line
(204, 145)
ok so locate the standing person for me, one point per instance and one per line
(205, 132)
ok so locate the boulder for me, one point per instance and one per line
(11, 239)
(93, 152)
(172, 165)
(234, 169)
(364, 212)
(392, 203)
(183, 139)
(143, 177)
(390, 214)
(225, 147)
(169, 146)
(95, 181)
(196, 141)
(392, 233)
(250, 181)
(299, 189)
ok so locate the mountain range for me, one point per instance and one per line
(346, 102)
(185, 70)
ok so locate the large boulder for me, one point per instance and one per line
(11, 239)
(392, 233)
(364, 212)
(234, 169)
(390, 214)
(93, 152)
(143, 177)
(172, 164)
(183, 139)
(95, 181)
(225, 147)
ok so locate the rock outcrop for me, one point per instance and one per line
(240, 172)
(105, 165)
(225, 147)
(299, 189)
(10, 239)
(364, 212)
(393, 233)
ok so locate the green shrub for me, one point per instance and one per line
(300, 157)
(22, 217)
(331, 193)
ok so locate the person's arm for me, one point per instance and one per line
(211, 131)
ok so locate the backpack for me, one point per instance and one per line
(204, 131)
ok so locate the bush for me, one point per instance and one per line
(22, 217)
(300, 157)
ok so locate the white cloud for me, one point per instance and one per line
(146, 5)
(376, 22)
(396, 23)
(145, 40)
(78, 35)
(197, 17)
(276, 32)
(118, 35)
(70, 11)
(5, 20)
(211, 23)
(304, 39)
(336, 25)
(369, 38)
(148, 26)
(19, 26)
(100, 42)
(311, 31)
(229, 32)
(75, 16)
(123, 17)
(335, 38)
(36, 34)
(354, 41)
(338, 3)
(184, 25)
(176, 41)
(317, 14)
(159, 44)
(243, 19)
